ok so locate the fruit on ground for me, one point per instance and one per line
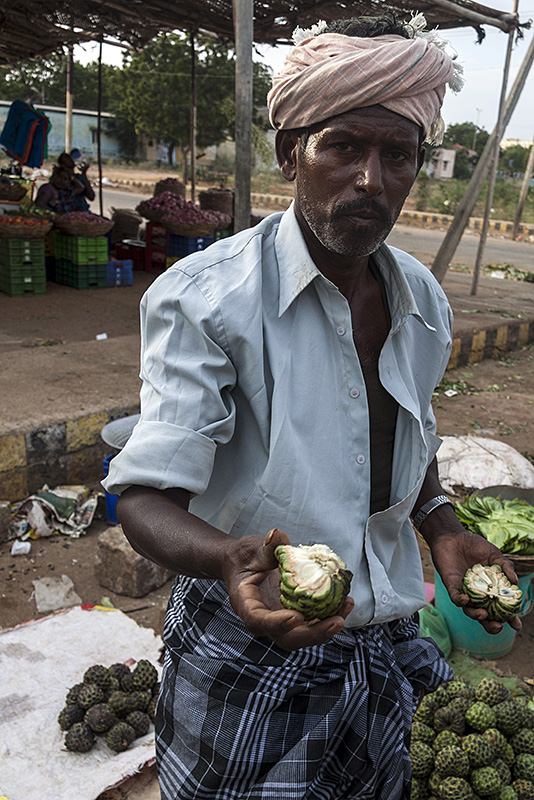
(422, 759)
(139, 721)
(452, 761)
(314, 580)
(145, 675)
(79, 738)
(479, 751)
(89, 695)
(455, 789)
(509, 716)
(523, 741)
(524, 789)
(480, 717)
(485, 781)
(101, 717)
(489, 588)
(491, 691)
(523, 768)
(120, 736)
(97, 674)
(70, 714)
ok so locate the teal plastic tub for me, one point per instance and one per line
(469, 635)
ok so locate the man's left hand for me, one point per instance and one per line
(453, 553)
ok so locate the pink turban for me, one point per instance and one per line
(331, 73)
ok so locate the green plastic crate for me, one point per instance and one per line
(82, 250)
(15, 252)
(23, 281)
(81, 276)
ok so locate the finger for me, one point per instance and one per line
(274, 538)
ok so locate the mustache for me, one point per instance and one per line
(365, 204)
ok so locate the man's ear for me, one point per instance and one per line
(286, 144)
(421, 158)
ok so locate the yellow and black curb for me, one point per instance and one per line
(65, 453)
(490, 342)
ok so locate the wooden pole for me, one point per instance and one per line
(523, 193)
(99, 129)
(467, 203)
(69, 100)
(193, 133)
(243, 26)
(494, 161)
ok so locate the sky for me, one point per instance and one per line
(483, 64)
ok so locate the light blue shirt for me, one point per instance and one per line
(253, 399)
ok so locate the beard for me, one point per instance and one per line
(340, 234)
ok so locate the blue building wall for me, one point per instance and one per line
(84, 128)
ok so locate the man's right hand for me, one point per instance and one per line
(253, 580)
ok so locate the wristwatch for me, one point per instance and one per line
(427, 509)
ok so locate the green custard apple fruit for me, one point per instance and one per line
(489, 588)
(314, 580)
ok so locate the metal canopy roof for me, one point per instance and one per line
(35, 27)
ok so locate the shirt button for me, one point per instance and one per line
(341, 330)
(354, 392)
(360, 459)
(384, 597)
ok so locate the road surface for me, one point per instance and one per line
(421, 243)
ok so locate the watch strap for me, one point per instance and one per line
(427, 509)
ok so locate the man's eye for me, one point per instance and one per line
(398, 155)
(342, 146)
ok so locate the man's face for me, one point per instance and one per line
(352, 177)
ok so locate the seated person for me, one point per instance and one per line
(58, 194)
(83, 191)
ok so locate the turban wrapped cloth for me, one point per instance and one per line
(331, 73)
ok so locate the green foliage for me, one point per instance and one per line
(466, 134)
(155, 91)
(514, 158)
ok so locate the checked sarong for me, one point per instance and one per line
(239, 718)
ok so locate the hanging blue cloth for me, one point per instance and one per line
(25, 132)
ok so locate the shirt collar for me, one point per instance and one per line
(297, 270)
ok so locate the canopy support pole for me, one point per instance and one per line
(243, 26)
(69, 99)
(193, 121)
(524, 192)
(494, 161)
(99, 129)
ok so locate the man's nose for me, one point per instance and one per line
(369, 175)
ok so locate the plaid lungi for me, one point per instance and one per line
(240, 718)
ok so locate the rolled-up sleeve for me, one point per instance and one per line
(187, 407)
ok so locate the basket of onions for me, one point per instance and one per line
(82, 223)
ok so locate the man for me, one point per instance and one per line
(287, 381)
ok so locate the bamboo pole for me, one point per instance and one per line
(494, 160)
(193, 120)
(69, 99)
(243, 15)
(467, 203)
(524, 192)
(99, 129)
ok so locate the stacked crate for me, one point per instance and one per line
(81, 261)
(22, 267)
(164, 248)
(119, 273)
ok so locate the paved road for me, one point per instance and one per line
(421, 243)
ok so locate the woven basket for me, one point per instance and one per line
(12, 191)
(217, 200)
(182, 229)
(523, 565)
(151, 216)
(76, 228)
(17, 230)
(169, 186)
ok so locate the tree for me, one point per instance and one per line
(155, 90)
(514, 159)
(469, 141)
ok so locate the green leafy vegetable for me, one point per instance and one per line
(508, 524)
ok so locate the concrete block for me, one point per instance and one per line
(5, 519)
(119, 568)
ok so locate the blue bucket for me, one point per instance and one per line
(469, 635)
(111, 499)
